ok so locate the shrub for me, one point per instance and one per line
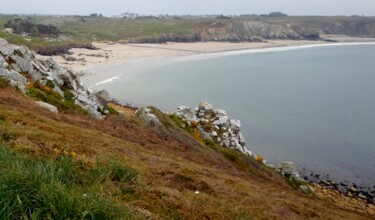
(177, 120)
(4, 82)
(260, 159)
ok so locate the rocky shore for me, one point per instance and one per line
(24, 70)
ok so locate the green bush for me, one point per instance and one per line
(53, 189)
(4, 82)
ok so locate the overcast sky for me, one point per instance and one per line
(228, 7)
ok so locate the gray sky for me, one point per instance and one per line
(116, 7)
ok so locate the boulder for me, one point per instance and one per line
(35, 75)
(18, 78)
(5, 48)
(20, 50)
(222, 121)
(220, 113)
(47, 106)
(235, 125)
(289, 169)
(4, 73)
(305, 189)
(241, 139)
(23, 64)
(2, 61)
(147, 116)
(103, 97)
(186, 114)
(205, 110)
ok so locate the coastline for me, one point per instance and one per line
(95, 65)
(153, 53)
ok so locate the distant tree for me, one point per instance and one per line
(277, 14)
(21, 26)
(223, 17)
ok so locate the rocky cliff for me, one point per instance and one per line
(247, 31)
(20, 66)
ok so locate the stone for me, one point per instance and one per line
(18, 78)
(241, 139)
(205, 109)
(235, 125)
(47, 106)
(15, 67)
(35, 75)
(20, 50)
(93, 112)
(4, 73)
(52, 64)
(186, 114)
(23, 64)
(58, 90)
(103, 96)
(288, 168)
(222, 121)
(220, 113)
(5, 48)
(147, 116)
(67, 80)
(305, 189)
(2, 61)
(206, 136)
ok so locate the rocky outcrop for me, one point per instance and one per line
(214, 124)
(146, 115)
(246, 31)
(21, 67)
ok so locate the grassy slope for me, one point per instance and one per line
(171, 166)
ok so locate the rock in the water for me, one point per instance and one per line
(47, 106)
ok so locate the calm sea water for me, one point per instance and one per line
(313, 106)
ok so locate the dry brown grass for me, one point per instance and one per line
(171, 163)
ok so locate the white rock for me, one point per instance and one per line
(47, 106)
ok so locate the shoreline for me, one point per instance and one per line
(95, 65)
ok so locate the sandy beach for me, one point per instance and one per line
(112, 54)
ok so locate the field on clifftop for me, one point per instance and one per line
(64, 166)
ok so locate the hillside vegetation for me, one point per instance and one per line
(68, 166)
(80, 31)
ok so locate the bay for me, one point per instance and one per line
(313, 106)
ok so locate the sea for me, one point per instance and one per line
(313, 105)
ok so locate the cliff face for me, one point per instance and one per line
(246, 31)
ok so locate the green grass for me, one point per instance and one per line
(57, 188)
